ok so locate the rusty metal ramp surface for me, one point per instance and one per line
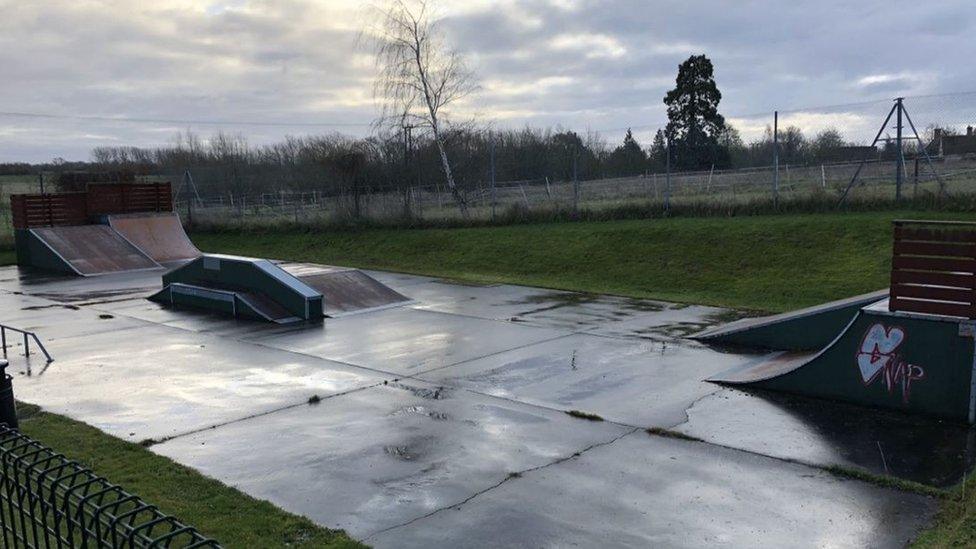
(768, 367)
(345, 291)
(159, 235)
(91, 250)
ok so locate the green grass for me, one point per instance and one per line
(584, 415)
(226, 514)
(770, 263)
(955, 525)
(7, 257)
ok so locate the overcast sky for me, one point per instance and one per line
(598, 65)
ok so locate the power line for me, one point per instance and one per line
(182, 122)
(886, 101)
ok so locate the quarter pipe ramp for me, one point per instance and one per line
(86, 250)
(914, 362)
(159, 236)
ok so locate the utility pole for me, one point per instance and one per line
(775, 159)
(899, 109)
(900, 159)
(40, 181)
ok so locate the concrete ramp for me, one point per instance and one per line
(159, 236)
(905, 361)
(86, 250)
(345, 290)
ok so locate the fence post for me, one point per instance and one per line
(8, 406)
(576, 189)
(900, 158)
(494, 195)
(775, 159)
(823, 177)
(667, 179)
(915, 179)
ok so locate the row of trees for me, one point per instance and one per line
(419, 79)
(227, 163)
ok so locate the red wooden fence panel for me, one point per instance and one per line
(933, 268)
(120, 198)
(47, 210)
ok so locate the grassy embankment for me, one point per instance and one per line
(768, 263)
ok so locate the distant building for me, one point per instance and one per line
(849, 153)
(949, 145)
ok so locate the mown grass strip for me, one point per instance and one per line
(768, 263)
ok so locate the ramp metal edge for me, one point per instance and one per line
(808, 360)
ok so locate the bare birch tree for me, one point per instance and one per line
(419, 76)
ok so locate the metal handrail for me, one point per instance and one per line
(27, 337)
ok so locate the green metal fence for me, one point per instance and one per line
(47, 500)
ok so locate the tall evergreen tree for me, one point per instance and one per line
(629, 158)
(659, 151)
(694, 123)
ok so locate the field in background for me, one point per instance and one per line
(769, 263)
(806, 188)
(11, 184)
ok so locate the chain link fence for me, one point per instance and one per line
(806, 155)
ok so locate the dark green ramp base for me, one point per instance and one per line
(804, 330)
(237, 304)
(911, 362)
(242, 286)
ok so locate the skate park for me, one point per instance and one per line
(416, 409)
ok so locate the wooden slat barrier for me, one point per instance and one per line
(47, 210)
(933, 268)
(119, 198)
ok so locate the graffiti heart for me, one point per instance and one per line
(878, 358)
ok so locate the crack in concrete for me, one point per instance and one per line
(511, 476)
(154, 442)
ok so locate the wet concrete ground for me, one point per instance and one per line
(444, 423)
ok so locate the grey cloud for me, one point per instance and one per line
(289, 60)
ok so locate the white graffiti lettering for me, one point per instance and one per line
(878, 358)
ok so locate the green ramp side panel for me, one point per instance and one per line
(914, 363)
(807, 329)
(250, 275)
(34, 252)
(209, 299)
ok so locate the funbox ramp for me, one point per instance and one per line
(345, 290)
(159, 235)
(86, 250)
(243, 286)
(281, 293)
(905, 361)
(807, 329)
